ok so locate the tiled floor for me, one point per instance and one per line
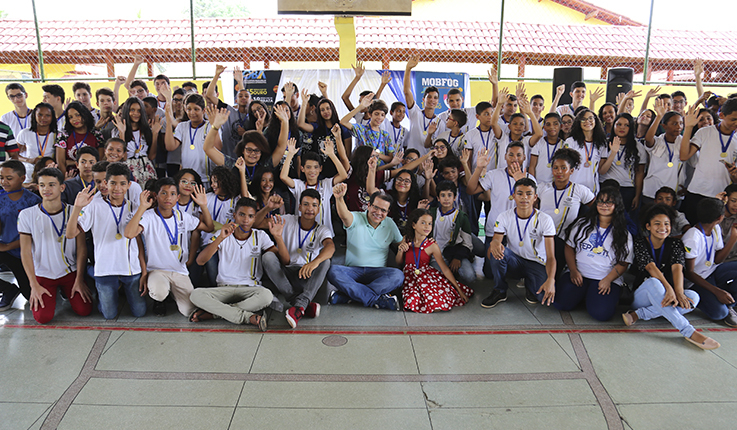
(517, 366)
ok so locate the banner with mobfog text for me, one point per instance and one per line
(444, 82)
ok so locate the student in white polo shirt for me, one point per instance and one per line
(50, 260)
(419, 117)
(119, 260)
(165, 231)
(310, 247)
(242, 248)
(530, 250)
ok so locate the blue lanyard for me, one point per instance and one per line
(216, 208)
(709, 249)
(118, 218)
(599, 241)
(77, 145)
(192, 136)
(447, 213)
(396, 134)
(488, 137)
(520, 232)
(721, 140)
(60, 230)
(25, 119)
(299, 233)
(555, 148)
(555, 194)
(417, 254)
(186, 208)
(172, 238)
(510, 183)
(620, 154)
(652, 249)
(670, 153)
(249, 174)
(424, 117)
(42, 149)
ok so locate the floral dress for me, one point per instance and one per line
(430, 290)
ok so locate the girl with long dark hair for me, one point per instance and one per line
(624, 161)
(140, 133)
(589, 139)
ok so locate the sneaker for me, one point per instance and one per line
(6, 302)
(338, 298)
(294, 314)
(313, 310)
(731, 319)
(531, 297)
(494, 298)
(159, 309)
(387, 301)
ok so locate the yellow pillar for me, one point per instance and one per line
(347, 34)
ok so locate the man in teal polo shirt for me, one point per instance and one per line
(365, 277)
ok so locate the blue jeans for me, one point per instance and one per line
(514, 266)
(466, 272)
(724, 277)
(647, 305)
(211, 266)
(107, 294)
(600, 306)
(365, 284)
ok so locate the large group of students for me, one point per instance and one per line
(231, 210)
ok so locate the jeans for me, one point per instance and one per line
(107, 294)
(600, 306)
(517, 267)
(647, 305)
(724, 277)
(235, 303)
(466, 272)
(298, 292)
(365, 284)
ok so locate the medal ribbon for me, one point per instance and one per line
(172, 238)
(416, 255)
(520, 232)
(60, 230)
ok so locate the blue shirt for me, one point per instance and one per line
(9, 211)
(369, 246)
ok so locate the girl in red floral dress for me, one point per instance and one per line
(425, 289)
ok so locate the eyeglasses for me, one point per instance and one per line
(186, 182)
(252, 151)
(409, 160)
(567, 122)
(382, 210)
(16, 96)
(588, 119)
(177, 99)
(407, 181)
(440, 147)
(606, 203)
(679, 102)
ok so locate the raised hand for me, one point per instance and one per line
(483, 160)
(659, 108)
(366, 101)
(282, 112)
(692, 116)
(219, 69)
(516, 171)
(165, 90)
(619, 98)
(120, 125)
(339, 190)
(423, 204)
(372, 164)
(616, 145)
(397, 157)
(386, 77)
(69, 174)
(653, 92)
(403, 246)
(427, 166)
(328, 148)
(596, 94)
(466, 155)
(503, 94)
(120, 80)
(155, 124)
(276, 225)
(288, 91)
(147, 199)
(292, 146)
(240, 164)
(261, 120)
(138, 60)
(275, 202)
(227, 229)
(560, 90)
(305, 96)
(358, 69)
(413, 62)
(519, 90)
(336, 132)
(493, 79)
(84, 197)
(432, 128)
(698, 67)
(323, 87)
(199, 195)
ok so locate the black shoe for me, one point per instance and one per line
(531, 297)
(494, 298)
(731, 319)
(159, 309)
(6, 302)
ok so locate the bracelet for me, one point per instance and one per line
(215, 128)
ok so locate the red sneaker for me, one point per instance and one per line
(294, 314)
(313, 310)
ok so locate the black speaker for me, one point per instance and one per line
(566, 76)
(618, 80)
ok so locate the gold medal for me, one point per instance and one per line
(586, 164)
(619, 163)
(670, 164)
(511, 198)
(118, 236)
(174, 247)
(299, 250)
(522, 243)
(708, 264)
(61, 238)
(442, 218)
(557, 211)
(191, 147)
(417, 271)
(424, 133)
(598, 250)
(549, 165)
(724, 155)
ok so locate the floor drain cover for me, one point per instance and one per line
(334, 340)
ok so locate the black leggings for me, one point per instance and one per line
(15, 266)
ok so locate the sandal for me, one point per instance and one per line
(197, 313)
(628, 318)
(708, 344)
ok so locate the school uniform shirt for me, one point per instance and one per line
(696, 245)
(114, 257)
(74, 142)
(16, 123)
(303, 246)
(221, 212)
(587, 176)
(7, 142)
(544, 152)
(658, 173)
(501, 186)
(419, 124)
(191, 208)
(51, 259)
(504, 141)
(442, 117)
(623, 174)
(597, 266)
(444, 226)
(137, 147)
(670, 253)
(159, 255)
(568, 202)
(368, 246)
(480, 141)
(9, 211)
(240, 261)
(36, 145)
(526, 237)
(192, 147)
(457, 144)
(325, 188)
(229, 133)
(133, 195)
(398, 135)
(711, 176)
(678, 224)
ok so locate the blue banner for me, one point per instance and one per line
(444, 82)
